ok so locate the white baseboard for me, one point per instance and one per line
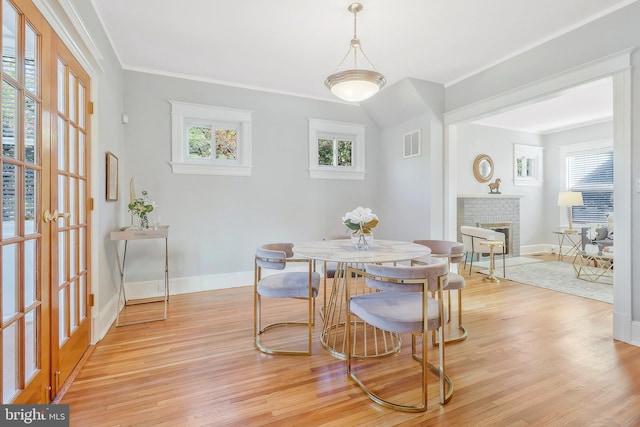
(535, 249)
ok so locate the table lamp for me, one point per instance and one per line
(570, 199)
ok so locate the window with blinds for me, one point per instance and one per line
(592, 174)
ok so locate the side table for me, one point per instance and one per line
(162, 232)
(492, 244)
(570, 238)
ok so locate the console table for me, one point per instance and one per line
(162, 232)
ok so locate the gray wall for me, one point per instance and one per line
(498, 144)
(218, 221)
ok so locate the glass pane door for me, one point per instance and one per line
(70, 229)
(24, 370)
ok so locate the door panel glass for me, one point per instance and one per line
(62, 273)
(72, 149)
(62, 192)
(62, 325)
(30, 271)
(81, 103)
(81, 250)
(9, 119)
(30, 200)
(72, 202)
(62, 146)
(9, 189)
(10, 290)
(73, 289)
(30, 129)
(72, 97)
(62, 94)
(10, 340)
(83, 297)
(31, 65)
(81, 160)
(72, 252)
(81, 210)
(9, 39)
(30, 344)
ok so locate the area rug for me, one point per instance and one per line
(509, 261)
(557, 276)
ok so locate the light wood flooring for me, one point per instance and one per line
(534, 357)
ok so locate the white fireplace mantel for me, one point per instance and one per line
(487, 195)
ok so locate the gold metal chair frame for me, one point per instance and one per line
(446, 385)
(259, 330)
(463, 335)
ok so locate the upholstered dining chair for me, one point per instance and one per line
(454, 253)
(471, 238)
(294, 284)
(403, 306)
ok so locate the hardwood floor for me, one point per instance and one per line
(533, 357)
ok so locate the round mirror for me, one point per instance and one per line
(483, 168)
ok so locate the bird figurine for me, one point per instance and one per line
(494, 187)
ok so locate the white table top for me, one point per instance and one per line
(342, 250)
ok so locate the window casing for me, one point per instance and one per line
(527, 165)
(210, 140)
(591, 173)
(336, 150)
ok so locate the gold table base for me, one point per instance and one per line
(368, 341)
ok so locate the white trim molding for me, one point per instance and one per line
(355, 131)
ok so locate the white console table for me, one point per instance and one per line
(126, 235)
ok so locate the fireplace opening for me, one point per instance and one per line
(502, 227)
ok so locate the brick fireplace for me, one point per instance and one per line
(499, 212)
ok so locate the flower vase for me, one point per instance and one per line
(362, 241)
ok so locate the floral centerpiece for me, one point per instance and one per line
(140, 207)
(360, 221)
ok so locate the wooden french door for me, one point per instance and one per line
(44, 241)
(71, 320)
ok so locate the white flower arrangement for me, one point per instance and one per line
(360, 220)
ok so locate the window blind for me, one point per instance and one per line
(592, 174)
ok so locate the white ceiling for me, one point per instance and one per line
(289, 46)
(580, 106)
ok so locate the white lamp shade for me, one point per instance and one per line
(570, 198)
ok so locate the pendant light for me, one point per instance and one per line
(356, 84)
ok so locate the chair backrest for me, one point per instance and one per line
(436, 268)
(478, 234)
(267, 256)
(453, 250)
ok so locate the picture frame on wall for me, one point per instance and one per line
(112, 177)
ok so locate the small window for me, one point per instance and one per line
(527, 165)
(336, 150)
(210, 140)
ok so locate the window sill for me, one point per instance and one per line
(336, 174)
(193, 169)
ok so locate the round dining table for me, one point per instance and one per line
(369, 341)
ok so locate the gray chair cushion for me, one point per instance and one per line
(455, 282)
(289, 285)
(395, 311)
